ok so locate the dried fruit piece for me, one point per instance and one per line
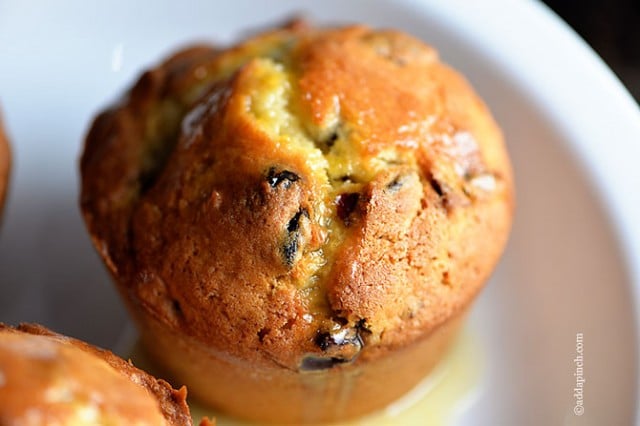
(291, 243)
(338, 346)
(284, 178)
(345, 206)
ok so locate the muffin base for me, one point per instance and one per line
(282, 396)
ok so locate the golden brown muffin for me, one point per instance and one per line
(5, 162)
(47, 378)
(304, 217)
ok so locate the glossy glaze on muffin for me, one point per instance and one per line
(47, 378)
(306, 199)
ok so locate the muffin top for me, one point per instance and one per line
(5, 161)
(306, 197)
(47, 378)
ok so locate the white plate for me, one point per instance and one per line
(572, 264)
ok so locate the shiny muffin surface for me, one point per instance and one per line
(47, 378)
(307, 198)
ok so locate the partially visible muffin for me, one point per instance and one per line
(5, 162)
(304, 217)
(47, 378)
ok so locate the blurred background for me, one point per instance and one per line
(612, 28)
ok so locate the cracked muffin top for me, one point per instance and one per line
(302, 198)
(47, 378)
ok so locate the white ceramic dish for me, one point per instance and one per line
(572, 265)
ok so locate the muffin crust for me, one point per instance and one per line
(48, 378)
(307, 199)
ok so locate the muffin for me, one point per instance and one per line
(5, 161)
(304, 217)
(47, 378)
